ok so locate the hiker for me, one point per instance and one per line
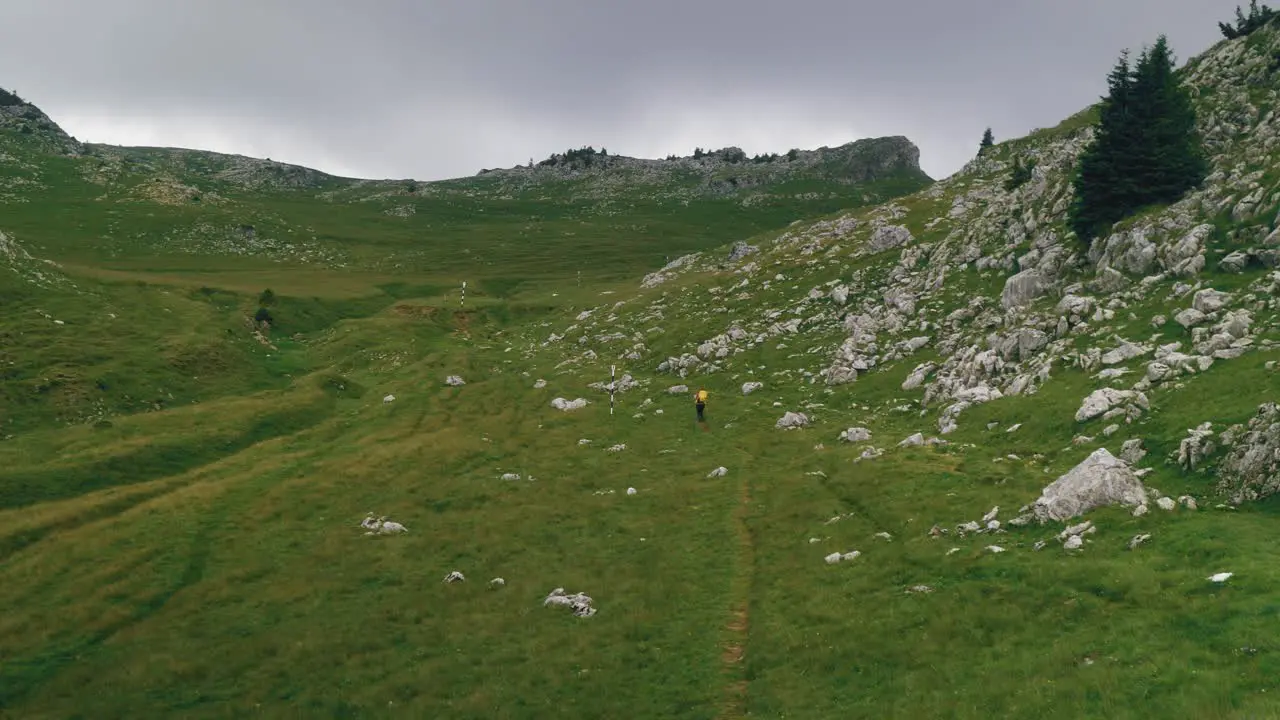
(700, 402)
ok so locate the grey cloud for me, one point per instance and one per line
(396, 88)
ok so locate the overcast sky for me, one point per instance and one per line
(441, 88)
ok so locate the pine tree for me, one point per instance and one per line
(1168, 158)
(987, 141)
(1146, 150)
(1098, 184)
(1245, 24)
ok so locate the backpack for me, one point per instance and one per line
(702, 396)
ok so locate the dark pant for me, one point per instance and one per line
(701, 407)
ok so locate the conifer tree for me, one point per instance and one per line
(1146, 149)
(1245, 24)
(1097, 182)
(987, 141)
(1168, 155)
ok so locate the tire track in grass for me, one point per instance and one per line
(737, 629)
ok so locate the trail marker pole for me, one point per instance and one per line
(463, 301)
(613, 369)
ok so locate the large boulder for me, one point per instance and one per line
(1022, 289)
(887, 237)
(1100, 480)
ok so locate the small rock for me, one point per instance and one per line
(913, 441)
(454, 577)
(1166, 503)
(792, 420)
(1138, 540)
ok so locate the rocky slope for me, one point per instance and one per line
(974, 292)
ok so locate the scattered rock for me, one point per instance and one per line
(1102, 401)
(579, 603)
(454, 381)
(1196, 447)
(381, 526)
(1138, 540)
(1132, 451)
(454, 577)
(1190, 318)
(855, 435)
(1209, 300)
(913, 441)
(568, 405)
(792, 420)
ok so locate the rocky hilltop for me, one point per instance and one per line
(726, 171)
(36, 128)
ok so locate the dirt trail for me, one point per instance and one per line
(736, 631)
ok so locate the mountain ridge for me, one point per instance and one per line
(861, 160)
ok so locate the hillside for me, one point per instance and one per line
(956, 463)
(229, 214)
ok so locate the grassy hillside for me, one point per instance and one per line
(202, 555)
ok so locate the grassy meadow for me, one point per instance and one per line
(181, 490)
